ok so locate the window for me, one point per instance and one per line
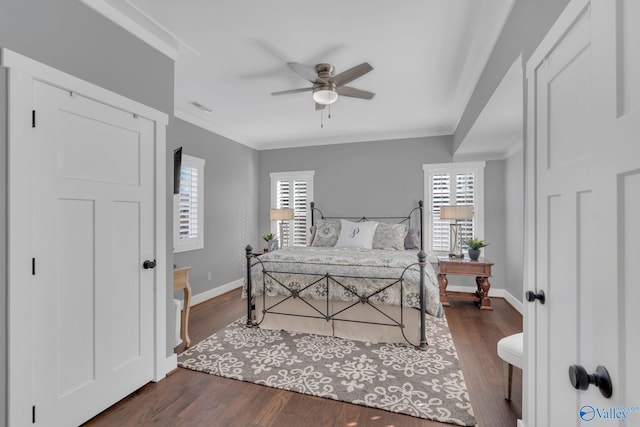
(188, 231)
(453, 184)
(293, 190)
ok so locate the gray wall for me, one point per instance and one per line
(514, 213)
(527, 24)
(69, 36)
(230, 205)
(373, 178)
(3, 244)
(494, 218)
(382, 178)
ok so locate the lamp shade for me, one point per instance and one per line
(283, 214)
(456, 212)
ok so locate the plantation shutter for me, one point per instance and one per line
(188, 206)
(189, 233)
(441, 196)
(294, 192)
(465, 195)
(454, 187)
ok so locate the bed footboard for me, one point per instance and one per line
(422, 261)
(249, 255)
(364, 299)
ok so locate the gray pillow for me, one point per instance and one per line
(412, 241)
(327, 233)
(390, 236)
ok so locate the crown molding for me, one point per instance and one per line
(349, 139)
(127, 16)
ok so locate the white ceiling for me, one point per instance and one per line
(231, 54)
(498, 131)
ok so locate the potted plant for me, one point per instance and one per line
(475, 245)
(272, 243)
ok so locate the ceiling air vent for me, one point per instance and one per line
(201, 107)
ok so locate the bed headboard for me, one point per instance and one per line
(396, 219)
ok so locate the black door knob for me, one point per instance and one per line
(581, 380)
(532, 296)
(149, 264)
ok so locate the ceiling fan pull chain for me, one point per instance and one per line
(321, 119)
(329, 111)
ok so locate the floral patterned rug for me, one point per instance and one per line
(394, 377)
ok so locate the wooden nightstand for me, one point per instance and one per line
(465, 267)
(181, 281)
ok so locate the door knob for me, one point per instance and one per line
(581, 380)
(532, 296)
(149, 264)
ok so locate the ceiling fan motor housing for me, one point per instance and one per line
(325, 71)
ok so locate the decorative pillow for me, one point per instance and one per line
(389, 236)
(327, 233)
(412, 241)
(356, 234)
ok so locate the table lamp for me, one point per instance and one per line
(456, 213)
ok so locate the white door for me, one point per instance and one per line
(584, 199)
(93, 227)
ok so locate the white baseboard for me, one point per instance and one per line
(520, 423)
(498, 293)
(171, 363)
(212, 293)
(513, 301)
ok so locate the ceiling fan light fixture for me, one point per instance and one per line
(325, 95)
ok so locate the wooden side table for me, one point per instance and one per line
(181, 281)
(481, 269)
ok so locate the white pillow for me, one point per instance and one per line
(356, 234)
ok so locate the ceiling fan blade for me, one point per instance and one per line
(305, 71)
(354, 93)
(287, 92)
(320, 106)
(351, 74)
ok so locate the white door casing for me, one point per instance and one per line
(583, 175)
(23, 76)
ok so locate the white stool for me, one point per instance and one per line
(510, 351)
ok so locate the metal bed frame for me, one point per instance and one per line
(328, 278)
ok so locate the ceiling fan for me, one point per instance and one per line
(327, 85)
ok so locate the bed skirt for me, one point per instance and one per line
(351, 324)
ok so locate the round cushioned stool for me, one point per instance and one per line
(510, 351)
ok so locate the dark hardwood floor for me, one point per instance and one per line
(189, 398)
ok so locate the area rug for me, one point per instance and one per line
(394, 377)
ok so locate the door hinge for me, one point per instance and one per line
(33, 266)
(33, 414)
(33, 118)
